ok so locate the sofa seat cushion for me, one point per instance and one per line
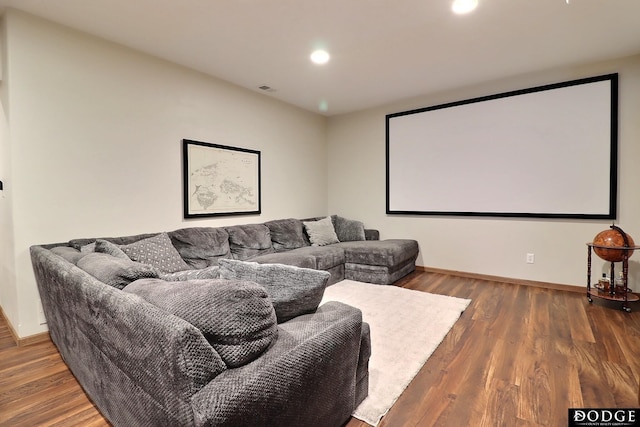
(388, 253)
(157, 251)
(235, 316)
(248, 241)
(201, 247)
(291, 257)
(116, 272)
(293, 291)
(286, 234)
(326, 256)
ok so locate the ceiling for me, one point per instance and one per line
(381, 50)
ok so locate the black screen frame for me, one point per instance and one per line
(609, 213)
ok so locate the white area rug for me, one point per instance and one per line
(406, 328)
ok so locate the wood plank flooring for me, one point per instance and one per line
(518, 356)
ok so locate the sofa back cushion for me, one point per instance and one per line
(201, 247)
(348, 230)
(293, 290)
(236, 317)
(247, 241)
(286, 234)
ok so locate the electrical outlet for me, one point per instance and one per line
(41, 318)
(531, 258)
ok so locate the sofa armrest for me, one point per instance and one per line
(371, 234)
(308, 377)
(138, 363)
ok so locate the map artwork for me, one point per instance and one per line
(222, 180)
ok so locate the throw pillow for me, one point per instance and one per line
(211, 272)
(70, 254)
(116, 272)
(321, 232)
(157, 251)
(293, 290)
(236, 317)
(106, 247)
(88, 248)
(348, 230)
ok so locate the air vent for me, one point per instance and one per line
(266, 88)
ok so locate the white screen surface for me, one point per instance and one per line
(543, 152)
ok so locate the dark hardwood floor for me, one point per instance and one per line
(518, 356)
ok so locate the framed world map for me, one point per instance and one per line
(220, 180)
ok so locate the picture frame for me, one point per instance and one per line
(220, 180)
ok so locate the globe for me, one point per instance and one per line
(614, 237)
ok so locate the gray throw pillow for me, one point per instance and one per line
(202, 273)
(236, 317)
(88, 248)
(116, 272)
(157, 251)
(106, 247)
(67, 252)
(348, 230)
(293, 290)
(321, 232)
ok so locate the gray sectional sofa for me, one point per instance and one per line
(218, 326)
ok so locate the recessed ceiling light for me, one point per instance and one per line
(320, 56)
(463, 6)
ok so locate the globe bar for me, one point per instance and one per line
(613, 238)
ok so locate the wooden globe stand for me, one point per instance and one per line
(615, 293)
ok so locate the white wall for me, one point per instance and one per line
(486, 245)
(8, 294)
(95, 147)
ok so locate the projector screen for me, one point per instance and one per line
(543, 152)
